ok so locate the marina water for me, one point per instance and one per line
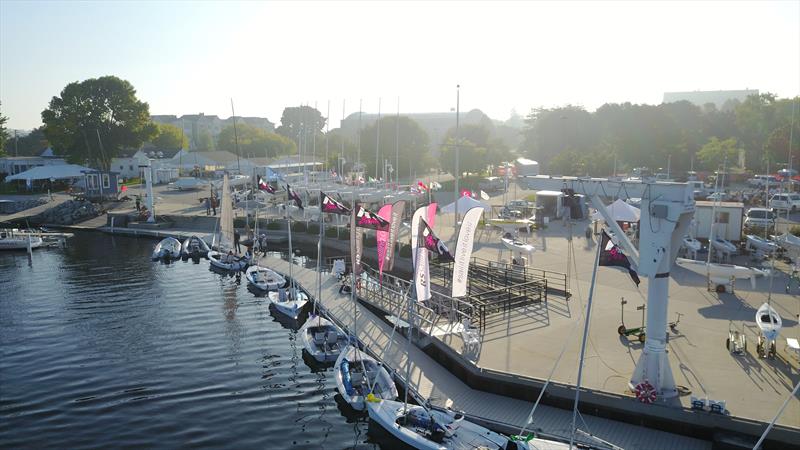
(100, 347)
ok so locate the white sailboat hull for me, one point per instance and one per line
(318, 341)
(692, 244)
(291, 307)
(222, 262)
(264, 278)
(768, 321)
(761, 244)
(724, 246)
(722, 273)
(352, 382)
(518, 246)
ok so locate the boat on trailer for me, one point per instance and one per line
(761, 244)
(515, 245)
(168, 249)
(768, 321)
(322, 339)
(357, 375)
(264, 278)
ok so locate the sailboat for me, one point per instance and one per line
(358, 376)
(224, 257)
(264, 278)
(768, 321)
(291, 302)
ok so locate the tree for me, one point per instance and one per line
(169, 137)
(476, 148)
(30, 145)
(413, 146)
(97, 118)
(297, 118)
(3, 132)
(205, 143)
(715, 152)
(339, 146)
(254, 141)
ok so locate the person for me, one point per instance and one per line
(230, 258)
(262, 243)
(236, 237)
(208, 206)
(138, 203)
(214, 204)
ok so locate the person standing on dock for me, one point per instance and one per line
(208, 206)
(236, 237)
(214, 204)
(138, 203)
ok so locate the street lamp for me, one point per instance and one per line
(457, 197)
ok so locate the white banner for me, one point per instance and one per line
(464, 241)
(418, 214)
(422, 273)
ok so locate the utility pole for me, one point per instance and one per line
(236, 138)
(457, 196)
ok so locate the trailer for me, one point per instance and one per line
(728, 224)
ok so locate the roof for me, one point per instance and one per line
(59, 172)
(549, 193)
(526, 162)
(218, 156)
(707, 204)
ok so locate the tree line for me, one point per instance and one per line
(754, 133)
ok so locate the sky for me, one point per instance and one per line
(190, 57)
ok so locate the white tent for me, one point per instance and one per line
(464, 205)
(620, 212)
(57, 172)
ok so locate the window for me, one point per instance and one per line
(723, 217)
(91, 182)
(131, 167)
(106, 181)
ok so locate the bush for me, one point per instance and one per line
(313, 228)
(274, 226)
(299, 227)
(405, 251)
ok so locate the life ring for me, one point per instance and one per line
(645, 392)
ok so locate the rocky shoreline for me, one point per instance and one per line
(68, 213)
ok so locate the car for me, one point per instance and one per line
(785, 202)
(762, 180)
(759, 217)
(717, 197)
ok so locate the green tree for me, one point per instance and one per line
(97, 118)
(254, 141)
(413, 146)
(169, 137)
(3, 132)
(715, 152)
(30, 145)
(339, 146)
(297, 118)
(205, 143)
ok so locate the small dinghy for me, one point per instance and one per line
(264, 278)
(436, 429)
(229, 262)
(760, 244)
(768, 321)
(517, 246)
(288, 302)
(322, 339)
(358, 375)
(167, 249)
(194, 247)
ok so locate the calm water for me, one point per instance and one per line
(101, 347)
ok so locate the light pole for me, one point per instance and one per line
(457, 197)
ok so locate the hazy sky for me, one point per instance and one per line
(189, 57)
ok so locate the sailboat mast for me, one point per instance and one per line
(583, 346)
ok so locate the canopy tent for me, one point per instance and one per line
(56, 172)
(620, 212)
(465, 203)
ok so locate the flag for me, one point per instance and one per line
(367, 219)
(464, 244)
(433, 243)
(331, 206)
(382, 238)
(264, 186)
(484, 196)
(422, 186)
(356, 244)
(398, 208)
(432, 213)
(418, 214)
(293, 195)
(422, 269)
(466, 193)
(613, 256)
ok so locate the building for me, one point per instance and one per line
(195, 125)
(435, 125)
(127, 164)
(211, 162)
(100, 185)
(12, 165)
(730, 218)
(701, 98)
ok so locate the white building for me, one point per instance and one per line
(12, 165)
(728, 224)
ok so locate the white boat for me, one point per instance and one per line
(288, 302)
(168, 248)
(789, 242)
(769, 321)
(721, 274)
(518, 246)
(512, 226)
(692, 244)
(224, 257)
(724, 246)
(435, 429)
(17, 240)
(357, 375)
(264, 278)
(322, 339)
(760, 244)
(194, 247)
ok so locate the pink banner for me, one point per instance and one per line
(383, 238)
(431, 214)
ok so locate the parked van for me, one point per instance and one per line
(759, 217)
(785, 202)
